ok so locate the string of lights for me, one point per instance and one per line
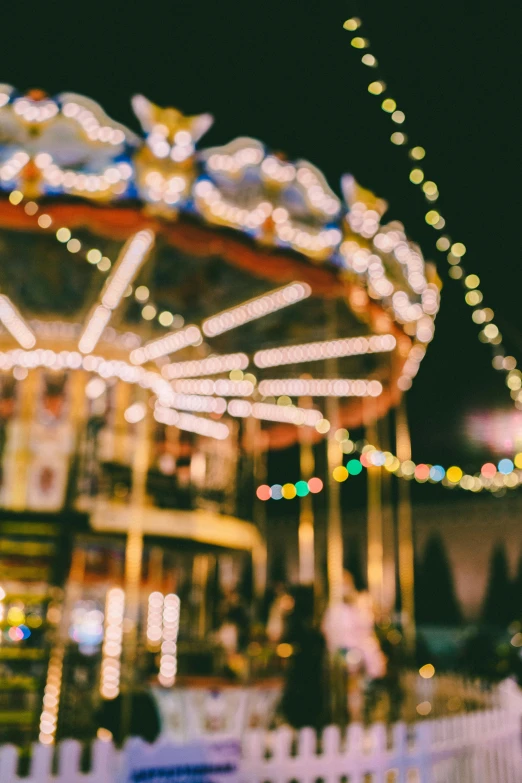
(454, 251)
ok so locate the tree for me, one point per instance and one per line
(498, 604)
(436, 602)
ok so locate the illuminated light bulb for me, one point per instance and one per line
(148, 313)
(416, 176)
(439, 225)
(165, 318)
(422, 472)
(31, 208)
(432, 217)
(94, 256)
(443, 243)
(195, 403)
(472, 281)
(15, 324)
(417, 153)
(135, 413)
(376, 88)
(341, 434)
(190, 423)
(105, 264)
(324, 349)
(276, 491)
(352, 24)
(430, 188)
(270, 412)
(171, 343)
(206, 386)
(518, 460)
(256, 308)
(473, 298)
(369, 60)
(340, 473)
(491, 331)
(63, 235)
(95, 388)
(359, 43)
(44, 221)
(288, 491)
(488, 470)
(408, 468)
(130, 260)
(337, 387)
(455, 272)
(301, 488)
(388, 105)
(458, 249)
(142, 293)
(94, 329)
(454, 474)
(74, 245)
(354, 467)
(398, 138)
(15, 197)
(505, 466)
(437, 473)
(263, 492)
(398, 117)
(315, 485)
(427, 671)
(213, 365)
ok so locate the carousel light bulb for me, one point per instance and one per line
(213, 365)
(163, 346)
(256, 308)
(417, 153)
(324, 387)
(94, 329)
(190, 423)
(133, 255)
(223, 387)
(324, 349)
(369, 60)
(15, 324)
(94, 256)
(165, 318)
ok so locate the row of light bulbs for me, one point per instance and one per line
(455, 251)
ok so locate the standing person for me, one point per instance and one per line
(303, 702)
(349, 629)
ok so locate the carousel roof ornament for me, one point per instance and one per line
(66, 148)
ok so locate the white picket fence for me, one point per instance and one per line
(480, 747)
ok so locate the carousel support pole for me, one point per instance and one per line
(375, 567)
(405, 532)
(389, 544)
(133, 562)
(306, 509)
(22, 458)
(334, 540)
(200, 574)
(256, 440)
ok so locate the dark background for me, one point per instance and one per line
(285, 72)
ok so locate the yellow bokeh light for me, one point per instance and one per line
(427, 671)
(105, 264)
(63, 235)
(430, 188)
(284, 650)
(165, 318)
(455, 272)
(340, 473)
(94, 256)
(416, 176)
(408, 467)
(288, 491)
(74, 245)
(472, 281)
(142, 293)
(15, 197)
(491, 331)
(458, 249)
(398, 117)
(149, 312)
(397, 138)
(432, 217)
(352, 24)
(44, 221)
(237, 375)
(473, 298)
(322, 426)
(388, 105)
(417, 153)
(443, 243)
(342, 434)
(454, 474)
(518, 460)
(359, 43)
(376, 88)
(369, 59)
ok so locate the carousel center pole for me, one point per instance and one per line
(133, 563)
(306, 511)
(405, 532)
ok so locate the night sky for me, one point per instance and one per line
(285, 72)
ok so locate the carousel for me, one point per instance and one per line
(169, 315)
